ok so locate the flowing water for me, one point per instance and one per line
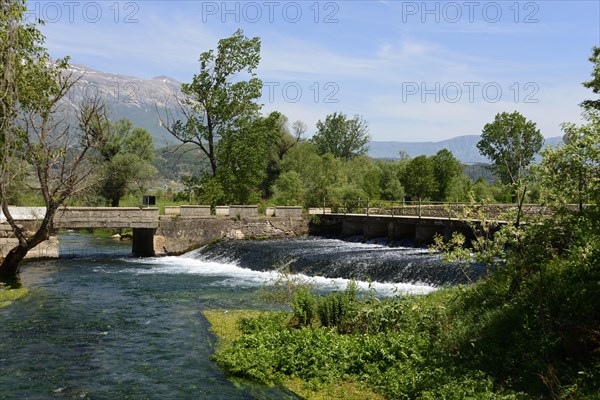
(101, 324)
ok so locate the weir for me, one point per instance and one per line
(189, 227)
(394, 228)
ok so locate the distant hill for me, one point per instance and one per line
(138, 100)
(463, 147)
(128, 97)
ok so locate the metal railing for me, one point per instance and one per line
(430, 209)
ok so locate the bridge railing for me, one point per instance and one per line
(431, 209)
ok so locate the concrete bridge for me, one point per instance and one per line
(143, 221)
(187, 227)
(193, 226)
(398, 227)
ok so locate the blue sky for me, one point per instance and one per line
(415, 70)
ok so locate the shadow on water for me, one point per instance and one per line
(10, 282)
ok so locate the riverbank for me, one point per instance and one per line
(226, 325)
(484, 341)
(9, 296)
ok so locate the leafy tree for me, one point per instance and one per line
(390, 186)
(217, 103)
(511, 142)
(342, 137)
(594, 83)
(571, 172)
(418, 178)
(321, 175)
(126, 154)
(283, 142)
(244, 156)
(288, 189)
(445, 168)
(30, 130)
(365, 176)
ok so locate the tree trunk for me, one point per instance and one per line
(10, 265)
(115, 201)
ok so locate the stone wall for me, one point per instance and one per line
(288, 211)
(46, 249)
(179, 235)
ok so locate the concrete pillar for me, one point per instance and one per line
(399, 230)
(375, 228)
(143, 241)
(425, 232)
(352, 227)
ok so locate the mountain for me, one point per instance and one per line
(141, 101)
(128, 97)
(463, 147)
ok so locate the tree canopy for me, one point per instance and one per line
(217, 103)
(35, 129)
(126, 154)
(510, 142)
(342, 137)
(594, 83)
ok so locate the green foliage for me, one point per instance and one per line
(304, 307)
(511, 142)
(336, 309)
(288, 189)
(419, 178)
(126, 156)
(445, 168)
(342, 137)
(211, 191)
(390, 186)
(243, 155)
(528, 330)
(217, 103)
(570, 173)
(594, 83)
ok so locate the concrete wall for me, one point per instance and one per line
(106, 217)
(46, 249)
(288, 211)
(172, 210)
(421, 230)
(222, 211)
(177, 235)
(243, 211)
(316, 211)
(195, 211)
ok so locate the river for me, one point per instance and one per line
(101, 324)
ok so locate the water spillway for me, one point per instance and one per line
(376, 261)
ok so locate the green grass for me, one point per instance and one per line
(9, 296)
(161, 203)
(226, 325)
(530, 330)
